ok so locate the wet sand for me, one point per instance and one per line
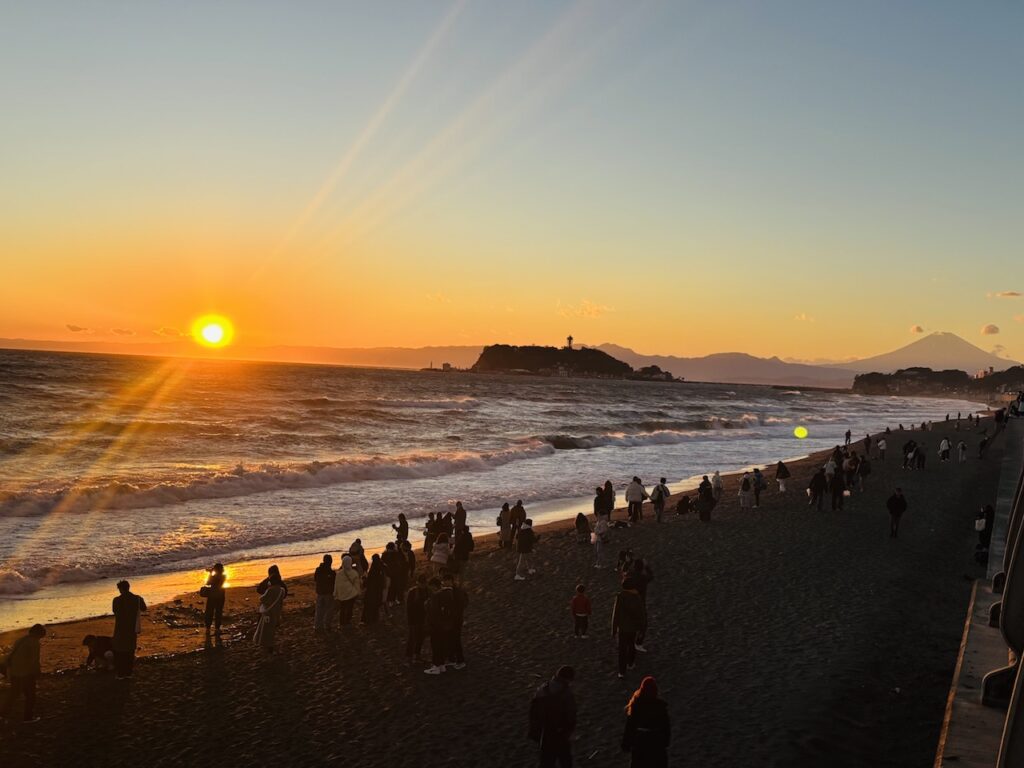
(779, 636)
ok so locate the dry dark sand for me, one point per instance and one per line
(779, 636)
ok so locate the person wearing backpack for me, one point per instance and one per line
(553, 719)
(524, 547)
(659, 495)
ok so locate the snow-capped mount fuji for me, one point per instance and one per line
(939, 351)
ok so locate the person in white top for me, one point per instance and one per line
(659, 495)
(636, 494)
(716, 485)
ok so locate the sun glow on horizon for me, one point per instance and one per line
(213, 331)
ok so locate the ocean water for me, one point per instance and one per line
(113, 466)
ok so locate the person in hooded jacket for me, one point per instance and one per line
(781, 476)
(347, 585)
(648, 731)
(553, 719)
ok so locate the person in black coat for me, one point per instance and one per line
(896, 505)
(439, 620)
(416, 619)
(398, 573)
(817, 488)
(373, 596)
(458, 601)
(553, 719)
(837, 488)
(648, 729)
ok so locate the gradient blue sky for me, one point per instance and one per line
(807, 179)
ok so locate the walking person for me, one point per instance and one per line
(323, 580)
(897, 505)
(580, 609)
(944, 449)
(837, 489)
(867, 446)
(759, 484)
(659, 495)
(636, 494)
(863, 470)
(22, 668)
(648, 729)
(553, 719)
(128, 610)
(639, 578)
(781, 476)
(816, 489)
(882, 445)
(346, 589)
(272, 592)
(848, 436)
(961, 452)
(518, 518)
(214, 593)
(628, 619)
(525, 542)
(416, 619)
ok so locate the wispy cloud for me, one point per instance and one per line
(998, 350)
(438, 298)
(123, 331)
(76, 328)
(166, 331)
(1004, 295)
(585, 308)
(803, 317)
(989, 330)
(916, 329)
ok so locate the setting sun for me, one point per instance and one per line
(213, 331)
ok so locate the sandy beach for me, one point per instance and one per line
(779, 636)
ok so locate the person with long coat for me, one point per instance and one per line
(272, 592)
(127, 625)
(648, 728)
(373, 596)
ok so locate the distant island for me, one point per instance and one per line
(925, 381)
(562, 361)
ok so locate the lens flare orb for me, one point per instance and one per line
(800, 432)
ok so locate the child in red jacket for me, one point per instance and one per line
(580, 608)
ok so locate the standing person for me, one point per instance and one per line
(988, 514)
(582, 529)
(439, 617)
(410, 560)
(416, 619)
(580, 609)
(908, 454)
(439, 555)
(127, 626)
(627, 620)
(458, 601)
(22, 665)
(323, 579)
(553, 719)
(359, 556)
(599, 537)
(863, 470)
(346, 589)
(524, 548)
(867, 446)
(837, 488)
(373, 594)
(882, 445)
(272, 592)
(609, 498)
(639, 578)
(458, 563)
(429, 534)
(518, 518)
(401, 529)
(781, 476)
(648, 729)
(746, 491)
(897, 505)
(961, 452)
(505, 526)
(717, 486)
(759, 484)
(817, 488)
(848, 436)
(635, 496)
(830, 468)
(921, 454)
(706, 500)
(659, 495)
(460, 516)
(398, 573)
(944, 448)
(599, 502)
(215, 596)
(982, 446)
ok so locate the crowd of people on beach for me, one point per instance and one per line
(435, 603)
